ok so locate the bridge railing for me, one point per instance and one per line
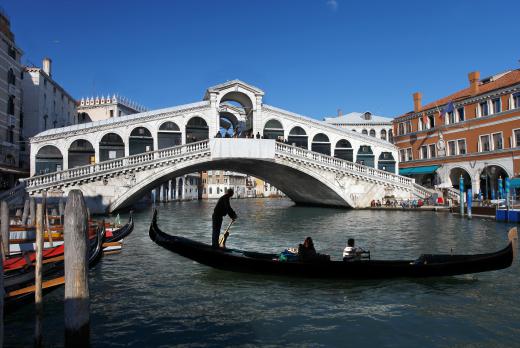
(115, 164)
(344, 164)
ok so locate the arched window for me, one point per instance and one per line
(390, 136)
(81, 153)
(11, 78)
(383, 134)
(372, 133)
(196, 130)
(298, 137)
(386, 162)
(321, 144)
(354, 130)
(365, 156)
(140, 141)
(111, 147)
(273, 129)
(10, 105)
(364, 131)
(169, 135)
(343, 150)
(48, 160)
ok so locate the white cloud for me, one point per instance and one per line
(332, 4)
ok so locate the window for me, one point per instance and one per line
(11, 79)
(11, 52)
(461, 143)
(497, 105)
(420, 125)
(424, 152)
(484, 143)
(460, 114)
(401, 128)
(484, 111)
(402, 156)
(409, 154)
(408, 126)
(10, 105)
(364, 131)
(497, 141)
(431, 121)
(45, 122)
(111, 113)
(517, 137)
(383, 134)
(432, 151)
(451, 117)
(516, 100)
(372, 133)
(452, 148)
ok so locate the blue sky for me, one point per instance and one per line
(309, 56)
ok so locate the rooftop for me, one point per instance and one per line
(358, 118)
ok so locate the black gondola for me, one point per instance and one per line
(122, 232)
(261, 263)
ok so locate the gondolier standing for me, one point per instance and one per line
(222, 209)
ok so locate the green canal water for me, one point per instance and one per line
(147, 296)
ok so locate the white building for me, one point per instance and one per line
(11, 73)
(102, 108)
(364, 123)
(215, 183)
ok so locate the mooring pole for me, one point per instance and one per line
(25, 213)
(461, 190)
(470, 202)
(77, 301)
(61, 210)
(32, 210)
(38, 296)
(4, 216)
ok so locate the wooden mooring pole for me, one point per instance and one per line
(77, 301)
(4, 227)
(38, 295)
(32, 211)
(25, 213)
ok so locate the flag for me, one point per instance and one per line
(424, 121)
(447, 108)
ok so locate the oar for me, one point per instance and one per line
(223, 238)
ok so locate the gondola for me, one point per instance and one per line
(268, 263)
(123, 232)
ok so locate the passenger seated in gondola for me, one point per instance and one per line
(351, 252)
(306, 250)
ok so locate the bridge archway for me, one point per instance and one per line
(273, 129)
(298, 137)
(228, 123)
(383, 134)
(343, 150)
(48, 160)
(365, 156)
(386, 162)
(372, 133)
(321, 144)
(168, 135)
(364, 132)
(111, 146)
(140, 141)
(81, 153)
(196, 130)
(236, 103)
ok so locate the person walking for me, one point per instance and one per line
(222, 209)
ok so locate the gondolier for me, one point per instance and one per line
(222, 209)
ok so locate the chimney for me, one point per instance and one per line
(474, 78)
(417, 98)
(340, 112)
(47, 66)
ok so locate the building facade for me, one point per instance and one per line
(473, 133)
(215, 183)
(364, 123)
(96, 109)
(11, 115)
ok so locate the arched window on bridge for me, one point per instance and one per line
(372, 133)
(365, 156)
(169, 135)
(140, 141)
(321, 144)
(344, 150)
(364, 131)
(81, 153)
(298, 137)
(273, 129)
(48, 160)
(390, 136)
(386, 162)
(196, 130)
(111, 147)
(383, 134)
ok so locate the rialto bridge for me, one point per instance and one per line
(115, 161)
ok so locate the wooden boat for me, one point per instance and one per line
(115, 235)
(268, 263)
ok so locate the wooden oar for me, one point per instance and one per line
(223, 238)
(48, 284)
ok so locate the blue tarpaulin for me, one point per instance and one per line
(418, 170)
(514, 183)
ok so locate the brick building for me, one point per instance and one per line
(473, 133)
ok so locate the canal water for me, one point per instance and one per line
(147, 296)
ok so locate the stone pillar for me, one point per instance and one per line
(96, 153)
(32, 162)
(161, 193)
(170, 193)
(155, 138)
(127, 147)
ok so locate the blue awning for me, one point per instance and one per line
(514, 183)
(418, 170)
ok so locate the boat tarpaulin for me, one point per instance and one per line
(418, 170)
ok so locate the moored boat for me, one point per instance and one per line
(268, 263)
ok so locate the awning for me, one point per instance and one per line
(514, 183)
(418, 170)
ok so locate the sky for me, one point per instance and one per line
(308, 56)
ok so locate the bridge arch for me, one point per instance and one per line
(386, 162)
(140, 140)
(169, 134)
(49, 159)
(343, 150)
(372, 133)
(111, 146)
(365, 156)
(273, 129)
(321, 144)
(80, 153)
(383, 134)
(298, 137)
(196, 129)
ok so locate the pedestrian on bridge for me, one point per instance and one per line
(222, 209)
